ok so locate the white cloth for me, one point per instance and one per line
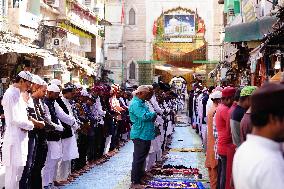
(57, 127)
(69, 145)
(49, 168)
(13, 175)
(155, 105)
(258, 164)
(63, 170)
(69, 119)
(15, 141)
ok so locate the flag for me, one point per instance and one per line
(122, 12)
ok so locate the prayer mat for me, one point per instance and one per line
(186, 150)
(175, 183)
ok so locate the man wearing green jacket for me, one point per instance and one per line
(142, 131)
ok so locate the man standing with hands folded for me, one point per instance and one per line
(142, 132)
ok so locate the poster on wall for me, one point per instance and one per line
(179, 25)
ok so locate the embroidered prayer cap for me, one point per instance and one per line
(38, 80)
(56, 82)
(26, 75)
(228, 92)
(53, 88)
(216, 95)
(248, 90)
(142, 88)
(68, 87)
(84, 93)
(267, 98)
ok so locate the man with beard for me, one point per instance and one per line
(53, 137)
(258, 162)
(69, 143)
(15, 143)
(31, 177)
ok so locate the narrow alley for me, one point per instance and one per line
(184, 152)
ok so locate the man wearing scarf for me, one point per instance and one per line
(54, 153)
(64, 111)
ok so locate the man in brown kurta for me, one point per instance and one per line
(211, 162)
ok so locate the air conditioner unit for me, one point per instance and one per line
(53, 3)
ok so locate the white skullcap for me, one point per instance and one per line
(85, 93)
(78, 85)
(216, 95)
(38, 80)
(56, 82)
(26, 75)
(53, 88)
(142, 88)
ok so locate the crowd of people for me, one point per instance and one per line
(230, 122)
(54, 133)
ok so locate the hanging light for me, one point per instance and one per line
(277, 65)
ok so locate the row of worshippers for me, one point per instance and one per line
(54, 134)
(160, 104)
(227, 109)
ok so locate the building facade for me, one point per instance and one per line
(131, 39)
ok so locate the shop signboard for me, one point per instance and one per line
(249, 11)
(179, 25)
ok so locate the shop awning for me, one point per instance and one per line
(249, 31)
(46, 55)
(89, 67)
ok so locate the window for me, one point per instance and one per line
(132, 70)
(131, 17)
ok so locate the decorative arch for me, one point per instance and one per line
(132, 17)
(186, 47)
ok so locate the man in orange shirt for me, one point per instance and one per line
(211, 161)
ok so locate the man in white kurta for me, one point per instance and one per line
(69, 144)
(15, 144)
(54, 145)
(258, 162)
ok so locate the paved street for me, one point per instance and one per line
(115, 174)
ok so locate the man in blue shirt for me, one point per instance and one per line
(142, 131)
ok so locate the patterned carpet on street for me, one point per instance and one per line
(184, 150)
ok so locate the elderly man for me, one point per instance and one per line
(142, 132)
(258, 162)
(15, 144)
